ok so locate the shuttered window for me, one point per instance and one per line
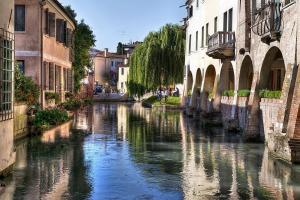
(57, 78)
(61, 31)
(65, 79)
(51, 76)
(47, 24)
(19, 17)
(52, 24)
(70, 80)
(46, 76)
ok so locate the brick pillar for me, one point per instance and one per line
(252, 124)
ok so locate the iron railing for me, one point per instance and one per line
(6, 74)
(267, 20)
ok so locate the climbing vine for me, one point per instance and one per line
(158, 61)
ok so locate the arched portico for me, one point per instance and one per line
(226, 83)
(269, 80)
(195, 101)
(246, 74)
(208, 88)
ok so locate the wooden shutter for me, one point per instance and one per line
(70, 80)
(51, 76)
(57, 78)
(46, 76)
(64, 33)
(52, 24)
(69, 38)
(47, 23)
(65, 79)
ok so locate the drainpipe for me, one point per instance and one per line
(42, 3)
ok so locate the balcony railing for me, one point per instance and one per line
(267, 22)
(221, 45)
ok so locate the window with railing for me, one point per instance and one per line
(6, 74)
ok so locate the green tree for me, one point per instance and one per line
(158, 61)
(84, 41)
(120, 48)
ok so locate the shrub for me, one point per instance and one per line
(87, 101)
(190, 93)
(244, 93)
(49, 117)
(69, 95)
(269, 94)
(25, 89)
(228, 93)
(71, 104)
(50, 96)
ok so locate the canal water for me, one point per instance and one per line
(123, 151)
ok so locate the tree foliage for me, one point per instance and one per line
(120, 48)
(158, 61)
(84, 40)
(26, 90)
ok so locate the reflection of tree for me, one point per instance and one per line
(145, 137)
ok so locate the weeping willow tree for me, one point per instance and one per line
(158, 61)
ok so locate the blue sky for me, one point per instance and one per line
(125, 20)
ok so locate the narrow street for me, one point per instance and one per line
(125, 151)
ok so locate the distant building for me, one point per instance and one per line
(44, 45)
(123, 77)
(129, 47)
(7, 153)
(105, 65)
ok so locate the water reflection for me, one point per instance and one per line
(136, 153)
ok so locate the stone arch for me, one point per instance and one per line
(226, 82)
(270, 77)
(272, 72)
(208, 88)
(246, 74)
(195, 103)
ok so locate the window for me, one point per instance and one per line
(191, 12)
(197, 3)
(202, 37)
(52, 24)
(6, 74)
(61, 31)
(46, 75)
(207, 33)
(197, 41)
(112, 63)
(122, 85)
(122, 71)
(230, 20)
(21, 66)
(70, 80)
(216, 25)
(19, 17)
(57, 78)
(190, 43)
(225, 22)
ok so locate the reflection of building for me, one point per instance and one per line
(44, 44)
(106, 67)
(7, 155)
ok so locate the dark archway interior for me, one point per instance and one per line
(273, 71)
(226, 78)
(189, 81)
(198, 82)
(209, 81)
(246, 74)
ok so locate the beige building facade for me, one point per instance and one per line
(106, 67)
(262, 56)
(7, 153)
(44, 45)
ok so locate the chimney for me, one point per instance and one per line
(105, 52)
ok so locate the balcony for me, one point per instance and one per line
(267, 22)
(221, 45)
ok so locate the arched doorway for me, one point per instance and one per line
(208, 88)
(273, 71)
(195, 103)
(226, 85)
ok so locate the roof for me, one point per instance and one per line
(109, 55)
(64, 10)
